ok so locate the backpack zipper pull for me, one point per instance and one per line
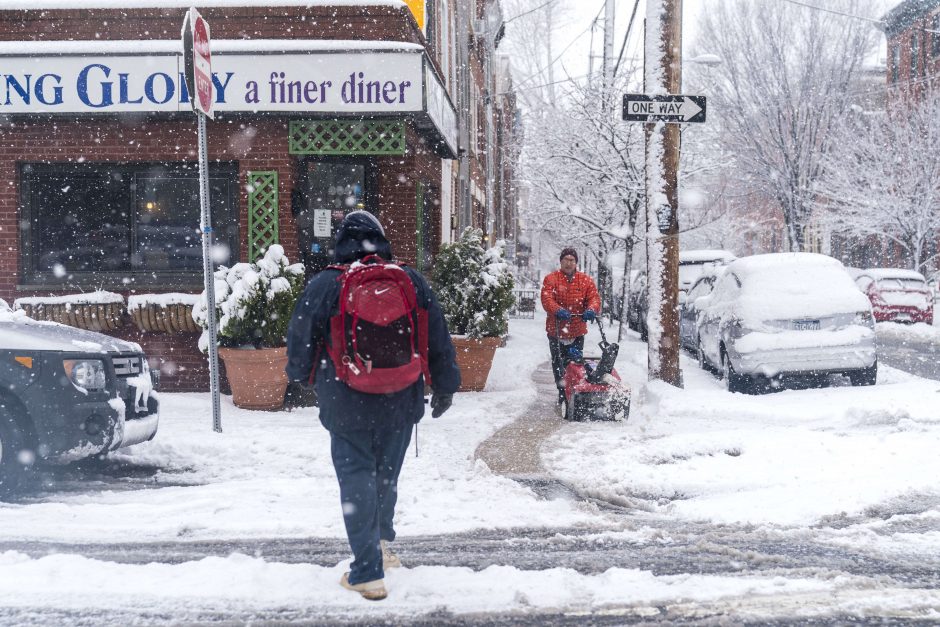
(350, 365)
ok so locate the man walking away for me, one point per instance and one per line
(370, 377)
(570, 300)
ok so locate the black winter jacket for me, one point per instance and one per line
(342, 408)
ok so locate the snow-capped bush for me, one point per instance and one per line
(254, 302)
(474, 286)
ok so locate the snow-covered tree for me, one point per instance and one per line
(783, 84)
(882, 182)
(585, 170)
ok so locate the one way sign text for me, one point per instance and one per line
(672, 108)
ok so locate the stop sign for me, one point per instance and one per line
(202, 68)
(198, 61)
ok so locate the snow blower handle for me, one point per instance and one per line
(604, 343)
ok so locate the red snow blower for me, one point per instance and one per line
(593, 389)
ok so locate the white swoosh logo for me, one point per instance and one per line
(377, 292)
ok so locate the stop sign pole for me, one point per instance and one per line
(198, 73)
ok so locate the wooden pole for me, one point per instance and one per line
(662, 209)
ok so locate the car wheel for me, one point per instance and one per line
(865, 376)
(15, 458)
(734, 382)
(700, 357)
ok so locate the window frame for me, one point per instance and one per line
(895, 63)
(31, 277)
(935, 36)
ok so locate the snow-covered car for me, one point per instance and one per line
(692, 263)
(688, 311)
(897, 295)
(68, 393)
(786, 314)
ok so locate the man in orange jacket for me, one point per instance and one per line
(570, 300)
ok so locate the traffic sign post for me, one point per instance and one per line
(673, 108)
(198, 72)
(662, 115)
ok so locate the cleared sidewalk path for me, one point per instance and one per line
(514, 450)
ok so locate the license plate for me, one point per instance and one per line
(903, 317)
(806, 325)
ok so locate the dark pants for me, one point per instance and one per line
(559, 352)
(367, 465)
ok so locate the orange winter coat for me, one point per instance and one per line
(575, 295)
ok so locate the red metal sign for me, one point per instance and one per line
(202, 66)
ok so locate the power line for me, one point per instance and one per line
(555, 60)
(626, 37)
(563, 80)
(524, 13)
(834, 12)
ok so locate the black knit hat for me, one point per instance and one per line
(568, 251)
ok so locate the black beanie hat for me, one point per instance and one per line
(568, 251)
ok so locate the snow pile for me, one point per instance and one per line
(798, 457)
(243, 584)
(911, 333)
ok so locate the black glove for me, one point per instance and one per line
(440, 403)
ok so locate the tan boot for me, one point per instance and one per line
(389, 559)
(371, 590)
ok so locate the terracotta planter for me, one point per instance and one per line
(474, 357)
(257, 377)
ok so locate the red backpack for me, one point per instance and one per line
(379, 337)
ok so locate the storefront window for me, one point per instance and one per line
(105, 224)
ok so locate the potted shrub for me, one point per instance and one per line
(474, 286)
(254, 303)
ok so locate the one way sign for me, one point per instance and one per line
(673, 108)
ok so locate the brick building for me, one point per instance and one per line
(321, 107)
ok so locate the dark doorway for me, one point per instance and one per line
(329, 189)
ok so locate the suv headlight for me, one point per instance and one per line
(88, 374)
(865, 319)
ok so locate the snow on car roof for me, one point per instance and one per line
(705, 255)
(893, 273)
(779, 286)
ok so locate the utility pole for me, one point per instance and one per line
(609, 6)
(663, 75)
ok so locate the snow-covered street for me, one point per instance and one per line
(819, 502)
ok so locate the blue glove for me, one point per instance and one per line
(589, 315)
(563, 314)
(574, 353)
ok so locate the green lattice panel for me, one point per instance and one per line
(343, 137)
(262, 212)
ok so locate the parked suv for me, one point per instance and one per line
(66, 394)
(897, 295)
